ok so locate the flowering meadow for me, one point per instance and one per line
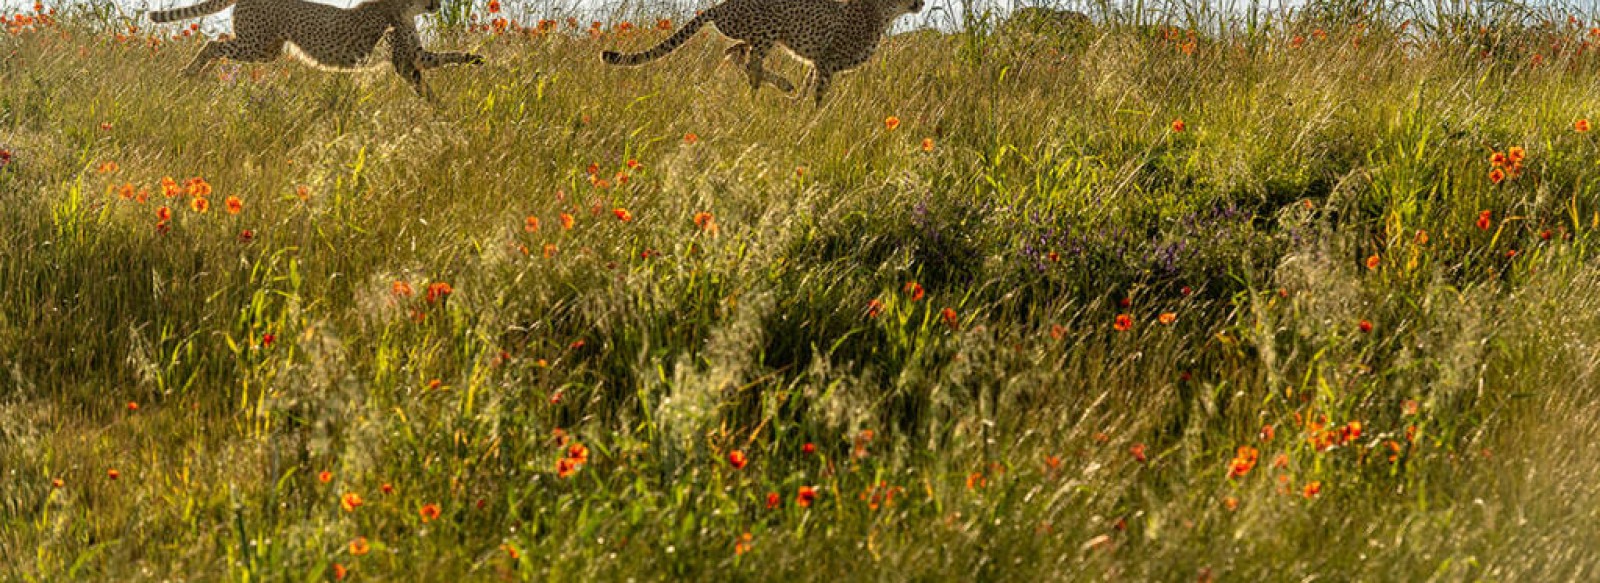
(1312, 296)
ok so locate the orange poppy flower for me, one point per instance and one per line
(737, 459)
(578, 453)
(690, 138)
(400, 289)
(742, 545)
(429, 512)
(1230, 503)
(163, 214)
(1581, 126)
(663, 24)
(622, 214)
(1484, 220)
(107, 167)
(874, 308)
(1312, 489)
(197, 186)
(57, 483)
(950, 318)
(1123, 323)
(494, 6)
(1138, 452)
(233, 204)
(927, 144)
(914, 290)
(1178, 125)
(1373, 261)
(439, 290)
(1498, 159)
(200, 205)
(325, 476)
(339, 572)
(133, 406)
(302, 192)
(976, 480)
(1167, 318)
(386, 488)
(549, 250)
(773, 500)
(891, 122)
(1515, 154)
(704, 220)
(113, 473)
(360, 546)
(530, 224)
(1421, 238)
(805, 496)
(1496, 176)
(1409, 408)
(125, 192)
(1244, 460)
(351, 501)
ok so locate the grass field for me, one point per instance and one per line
(1309, 300)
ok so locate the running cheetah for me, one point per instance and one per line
(323, 36)
(831, 35)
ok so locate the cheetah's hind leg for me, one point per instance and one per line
(231, 49)
(739, 53)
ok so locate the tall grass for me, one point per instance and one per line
(1318, 267)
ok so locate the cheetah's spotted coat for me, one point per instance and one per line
(833, 36)
(325, 36)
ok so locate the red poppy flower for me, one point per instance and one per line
(809, 448)
(806, 496)
(439, 290)
(622, 214)
(1178, 125)
(429, 512)
(1138, 452)
(914, 290)
(1123, 323)
(1581, 126)
(1365, 326)
(737, 459)
(1484, 220)
(773, 500)
(950, 318)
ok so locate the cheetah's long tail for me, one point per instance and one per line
(185, 13)
(666, 46)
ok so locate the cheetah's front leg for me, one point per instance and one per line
(406, 54)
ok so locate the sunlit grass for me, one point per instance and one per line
(1143, 303)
